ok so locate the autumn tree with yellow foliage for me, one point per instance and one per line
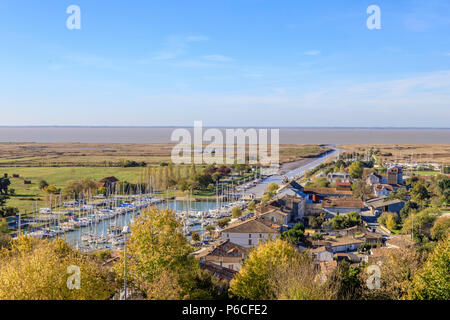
(33, 269)
(159, 264)
(276, 270)
(432, 282)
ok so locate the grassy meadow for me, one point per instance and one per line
(26, 195)
(59, 163)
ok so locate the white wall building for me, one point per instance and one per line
(250, 233)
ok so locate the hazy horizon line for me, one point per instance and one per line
(224, 127)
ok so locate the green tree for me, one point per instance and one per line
(420, 224)
(361, 190)
(236, 212)
(294, 235)
(102, 190)
(389, 220)
(222, 223)
(400, 194)
(272, 187)
(444, 189)
(316, 222)
(76, 188)
(441, 228)
(398, 268)
(344, 221)
(252, 206)
(159, 264)
(156, 244)
(322, 182)
(4, 227)
(52, 189)
(432, 282)
(8, 211)
(276, 270)
(210, 228)
(183, 185)
(4, 184)
(391, 224)
(410, 207)
(216, 176)
(419, 193)
(195, 236)
(356, 170)
(346, 282)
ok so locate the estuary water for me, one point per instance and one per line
(163, 134)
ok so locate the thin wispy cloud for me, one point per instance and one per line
(165, 55)
(175, 47)
(387, 99)
(311, 53)
(217, 58)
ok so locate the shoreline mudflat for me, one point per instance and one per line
(286, 167)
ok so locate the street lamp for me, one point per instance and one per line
(125, 231)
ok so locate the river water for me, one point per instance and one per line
(259, 189)
(287, 135)
(101, 228)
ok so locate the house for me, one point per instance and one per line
(351, 231)
(371, 237)
(344, 186)
(349, 257)
(379, 254)
(322, 254)
(394, 175)
(283, 210)
(249, 233)
(276, 216)
(382, 190)
(381, 204)
(327, 267)
(221, 273)
(344, 244)
(317, 194)
(224, 254)
(26, 181)
(334, 206)
(335, 177)
(108, 182)
(400, 242)
(373, 178)
(312, 194)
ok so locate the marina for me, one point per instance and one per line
(93, 223)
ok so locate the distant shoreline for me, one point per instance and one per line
(224, 127)
(287, 135)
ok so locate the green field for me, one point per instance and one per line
(25, 195)
(426, 173)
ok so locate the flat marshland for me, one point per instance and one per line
(59, 163)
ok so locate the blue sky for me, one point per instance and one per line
(227, 63)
